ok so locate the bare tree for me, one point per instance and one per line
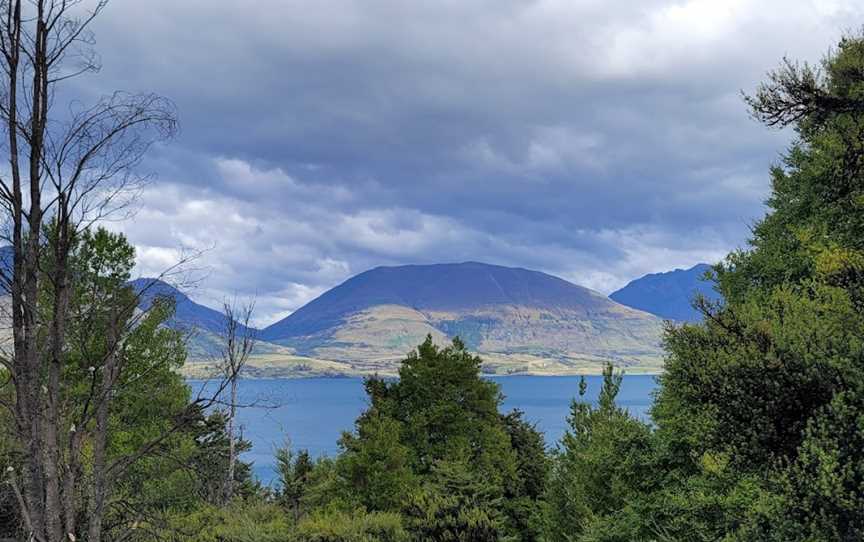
(239, 339)
(68, 168)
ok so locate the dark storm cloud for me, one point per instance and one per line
(593, 140)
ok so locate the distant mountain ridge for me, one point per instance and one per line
(669, 295)
(205, 327)
(186, 312)
(436, 287)
(517, 319)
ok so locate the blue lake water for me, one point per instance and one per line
(313, 412)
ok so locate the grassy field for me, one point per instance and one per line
(281, 365)
(511, 340)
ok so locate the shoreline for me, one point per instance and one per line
(195, 376)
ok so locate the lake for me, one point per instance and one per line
(313, 412)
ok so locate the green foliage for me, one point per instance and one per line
(375, 464)
(456, 504)
(819, 496)
(10, 520)
(604, 458)
(523, 500)
(432, 459)
(327, 489)
(356, 526)
(758, 419)
(180, 452)
(749, 380)
(207, 461)
(183, 468)
(294, 470)
(705, 507)
(434, 448)
(252, 521)
(445, 409)
(817, 193)
(437, 516)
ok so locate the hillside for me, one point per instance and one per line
(668, 295)
(519, 320)
(186, 312)
(205, 326)
(439, 287)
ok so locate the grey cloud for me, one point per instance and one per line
(593, 140)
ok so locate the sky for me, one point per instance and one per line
(593, 140)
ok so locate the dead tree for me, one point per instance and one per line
(239, 342)
(67, 168)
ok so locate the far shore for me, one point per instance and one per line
(197, 370)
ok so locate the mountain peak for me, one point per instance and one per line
(507, 313)
(187, 313)
(436, 287)
(669, 294)
(149, 288)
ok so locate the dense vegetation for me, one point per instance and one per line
(186, 444)
(757, 431)
(758, 427)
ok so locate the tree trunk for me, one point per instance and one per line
(99, 489)
(232, 442)
(70, 480)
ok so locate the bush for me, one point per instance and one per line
(357, 526)
(240, 522)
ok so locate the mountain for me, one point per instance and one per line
(205, 326)
(519, 320)
(439, 287)
(187, 313)
(668, 295)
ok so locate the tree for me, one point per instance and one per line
(603, 458)
(135, 436)
(446, 409)
(69, 170)
(239, 342)
(355, 526)
(785, 344)
(758, 413)
(434, 447)
(295, 472)
(375, 464)
(524, 498)
(456, 504)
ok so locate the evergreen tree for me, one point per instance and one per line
(434, 447)
(758, 413)
(603, 458)
(375, 463)
(295, 471)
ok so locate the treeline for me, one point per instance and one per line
(756, 433)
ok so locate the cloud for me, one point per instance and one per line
(595, 141)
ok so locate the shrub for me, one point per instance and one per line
(356, 526)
